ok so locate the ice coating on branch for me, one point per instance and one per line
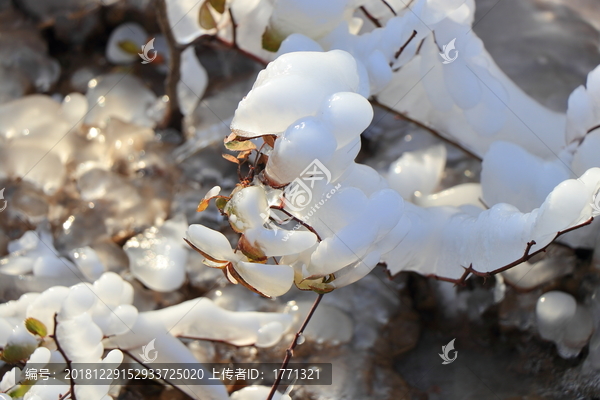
(121, 96)
(417, 171)
(348, 115)
(92, 317)
(35, 127)
(488, 239)
(27, 67)
(530, 275)
(85, 314)
(524, 182)
(249, 213)
(582, 112)
(359, 220)
(346, 205)
(583, 123)
(265, 279)
(528, 178)
(313, 18)
(158, 256)
(88, 263)
(292, 87)
(296, 149)
(194, 80)
(469, 100)
(563, 321)
(193, 318)
(34, 253)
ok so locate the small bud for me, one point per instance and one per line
(36, 327)
(221, 202)
(253, 253)
(14, 353)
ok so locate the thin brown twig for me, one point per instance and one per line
(421, 125)
(174, 116)
(304, 224)
(233, 30)
(390, 7)
(64, 396)
(401, 49)
(525, 257)
(593, 128)
(371, 18)
(207, 40)
(581, 139)
(62, 353)
(289, 352)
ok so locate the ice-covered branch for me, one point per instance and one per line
(309, 102)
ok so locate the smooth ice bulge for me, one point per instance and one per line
(561, 320)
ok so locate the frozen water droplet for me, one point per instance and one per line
(301, 339)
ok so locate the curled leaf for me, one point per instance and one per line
(211, 194)
(232, 136)
(244, 154)
(240, 146)
(206, 19)
(231, 158)
(203, 205)
(270, 140)
(36, 327)
(320, 285)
